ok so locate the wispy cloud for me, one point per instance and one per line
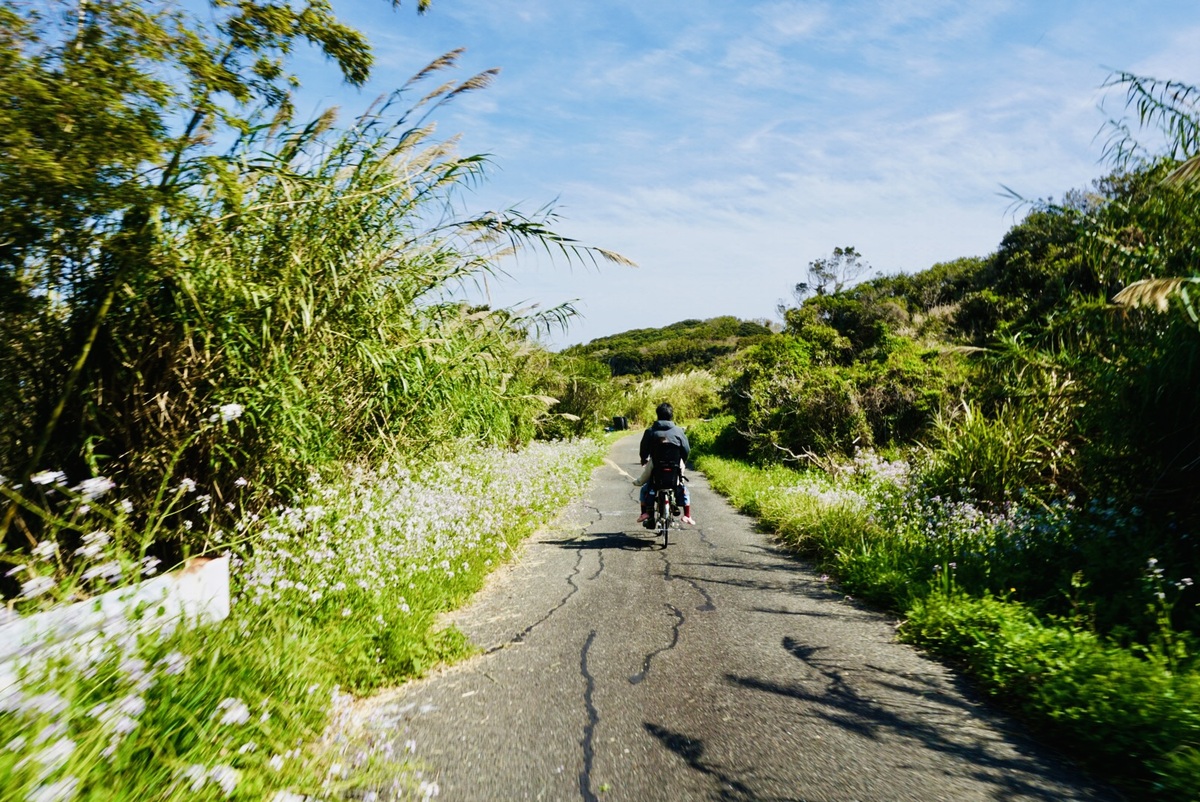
(723, 145)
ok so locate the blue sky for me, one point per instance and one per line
(723, 145)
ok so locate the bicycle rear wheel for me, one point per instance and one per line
(663, 510)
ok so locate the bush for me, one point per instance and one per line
(903, 393)
(1021, 449)
(788, 406)
(716, 437)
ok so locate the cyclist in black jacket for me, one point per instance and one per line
(664, 443)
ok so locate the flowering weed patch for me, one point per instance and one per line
(338, 593)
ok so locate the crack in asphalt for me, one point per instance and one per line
(600, 568)
(589, 729)
(679, 620)
(520, 636)
(704, 539)
(708, 605)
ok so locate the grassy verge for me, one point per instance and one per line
(962, 576)
(334, 598)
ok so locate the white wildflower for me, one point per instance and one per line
(47, 704)
(225, 776)
(227, 412)
(233, 711)
(187, 485)
(125, 506)
(110, 571)
(174, 663)
(288, 796)
(197, 774)
(276, 762)
(94, 488)
(55, 755)
(45, 550)
(93, 544)
(37, 586)
(60, 791)
(49, 478)
(55, 730)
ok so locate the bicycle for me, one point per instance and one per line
(666, 512)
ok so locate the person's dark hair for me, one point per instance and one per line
(665, 412)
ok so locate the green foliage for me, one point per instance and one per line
(342, 592)
(693, 395)
(789, 399)
(716, 437)
(904, 388)
(787, 406)
(1132, 718)
(1021, 448)
(306, 275)
(682, 346)
(588, 397)
(955, 571)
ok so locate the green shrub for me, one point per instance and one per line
(903, 392)
(716, 437)
(1130, 716)
(788, 406)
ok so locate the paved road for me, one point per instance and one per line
(717, 669)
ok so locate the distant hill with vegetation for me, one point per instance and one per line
(685, 345)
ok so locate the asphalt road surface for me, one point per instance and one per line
(718, 668)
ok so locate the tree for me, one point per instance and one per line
(108, 113)
(833, 274)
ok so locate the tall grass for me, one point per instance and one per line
(694, 395)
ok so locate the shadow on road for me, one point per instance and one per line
(692, 751)
(928, 714)
(607, 540)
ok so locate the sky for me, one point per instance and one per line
(722, 146)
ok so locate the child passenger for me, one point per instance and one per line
(643, 479)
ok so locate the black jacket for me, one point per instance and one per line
(673, 434)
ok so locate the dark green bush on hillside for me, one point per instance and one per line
(686, 345)
(903, 393)
(786, 405)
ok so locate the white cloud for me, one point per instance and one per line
(723, 145)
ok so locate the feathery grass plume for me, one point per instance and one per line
(1153, 292)
(1186, 174)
